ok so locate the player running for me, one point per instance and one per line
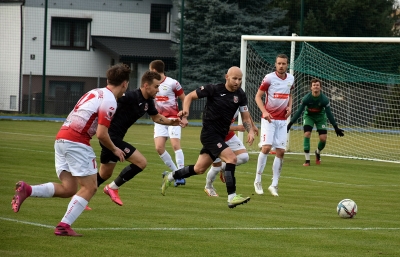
(75, 159)
(132, 106)
(316, 109)
(223, 100)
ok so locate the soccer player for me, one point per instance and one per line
(277, 87)
(222, 102)
(316, 109)
(132, 106)
(75, 159)
(218, 166)
(167, 105)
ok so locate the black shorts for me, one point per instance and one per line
(213, 144)
(108, 156)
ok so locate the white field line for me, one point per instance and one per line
(191, 229)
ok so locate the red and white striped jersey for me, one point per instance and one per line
(166, 98)
(95, 107)
(277, 92)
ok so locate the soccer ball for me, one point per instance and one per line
(347, 208)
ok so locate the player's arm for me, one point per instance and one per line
(247, 124)
(161, 119)
(289, 107)
(331, 118)
(186, 104)
(296, 115)
(104, 138)
(260, 104)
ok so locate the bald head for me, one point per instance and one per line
(233, 78)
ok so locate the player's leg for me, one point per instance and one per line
(211, 175)
(308, 124)
(138, 163)
(230, 181)
(175, 133)
(266, 138)
(279, 143)
(203, 162)
(82, 164)
(160, 138)
(322, 132)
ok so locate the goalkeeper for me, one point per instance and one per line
(316, 109)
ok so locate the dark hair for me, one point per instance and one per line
(158, 65)
(315, 80)
(149, 76)
(117, 74)
(284, 56)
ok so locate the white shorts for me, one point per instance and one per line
(76, 158)
(274, 133)
(167, 131)
(235, 144)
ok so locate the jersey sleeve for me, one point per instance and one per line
(178, 90)
(205, 91)
(106, 112)
(152, 108)
(265, 83)
(329, 114)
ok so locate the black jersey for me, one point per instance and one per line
(131, 107)
(220, 108)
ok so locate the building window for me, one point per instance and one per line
(66, 89)
(70, 33)
(160, 18)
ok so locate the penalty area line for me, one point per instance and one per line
(193, 229)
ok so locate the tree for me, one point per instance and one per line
(212, 36)
(341, 18)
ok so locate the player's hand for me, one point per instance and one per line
(267, 116)
(288, 112)
(119, 153)
(289, 125)
(175, 122)
(250, 138)
(255, 129)
(183, 122)
(183, 113)
(339, 132)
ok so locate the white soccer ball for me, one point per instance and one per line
(347, 208)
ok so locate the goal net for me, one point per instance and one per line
(360, 76)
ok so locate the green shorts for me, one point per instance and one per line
(319, 121)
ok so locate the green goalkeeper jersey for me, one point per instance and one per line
(316, 107)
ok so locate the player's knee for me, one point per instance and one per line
(242, 158)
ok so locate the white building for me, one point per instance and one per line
(83, 38)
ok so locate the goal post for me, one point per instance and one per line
(360, 76)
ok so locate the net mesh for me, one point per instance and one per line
(365, 102)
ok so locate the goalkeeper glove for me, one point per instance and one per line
(339, 132)
(289, 125)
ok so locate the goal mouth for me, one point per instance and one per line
(360, 76)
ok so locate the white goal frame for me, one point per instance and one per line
(293, 39)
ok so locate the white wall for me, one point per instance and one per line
(10, 42)
(79, 63)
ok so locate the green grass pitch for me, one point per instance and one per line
(186, 222)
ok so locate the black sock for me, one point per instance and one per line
(127, 174)
(185, 172)
(230, 179)
(100, 180)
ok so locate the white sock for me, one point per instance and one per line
(179, 158)
(307, 155)
(276, 170)
(112, 185)
(318, 151)
(223, 166)
(211, 175)
(171, 176)
(168, 161)
(262, 160)
(231, 196)
(43, 190)
(75, 208)
(242, 158)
